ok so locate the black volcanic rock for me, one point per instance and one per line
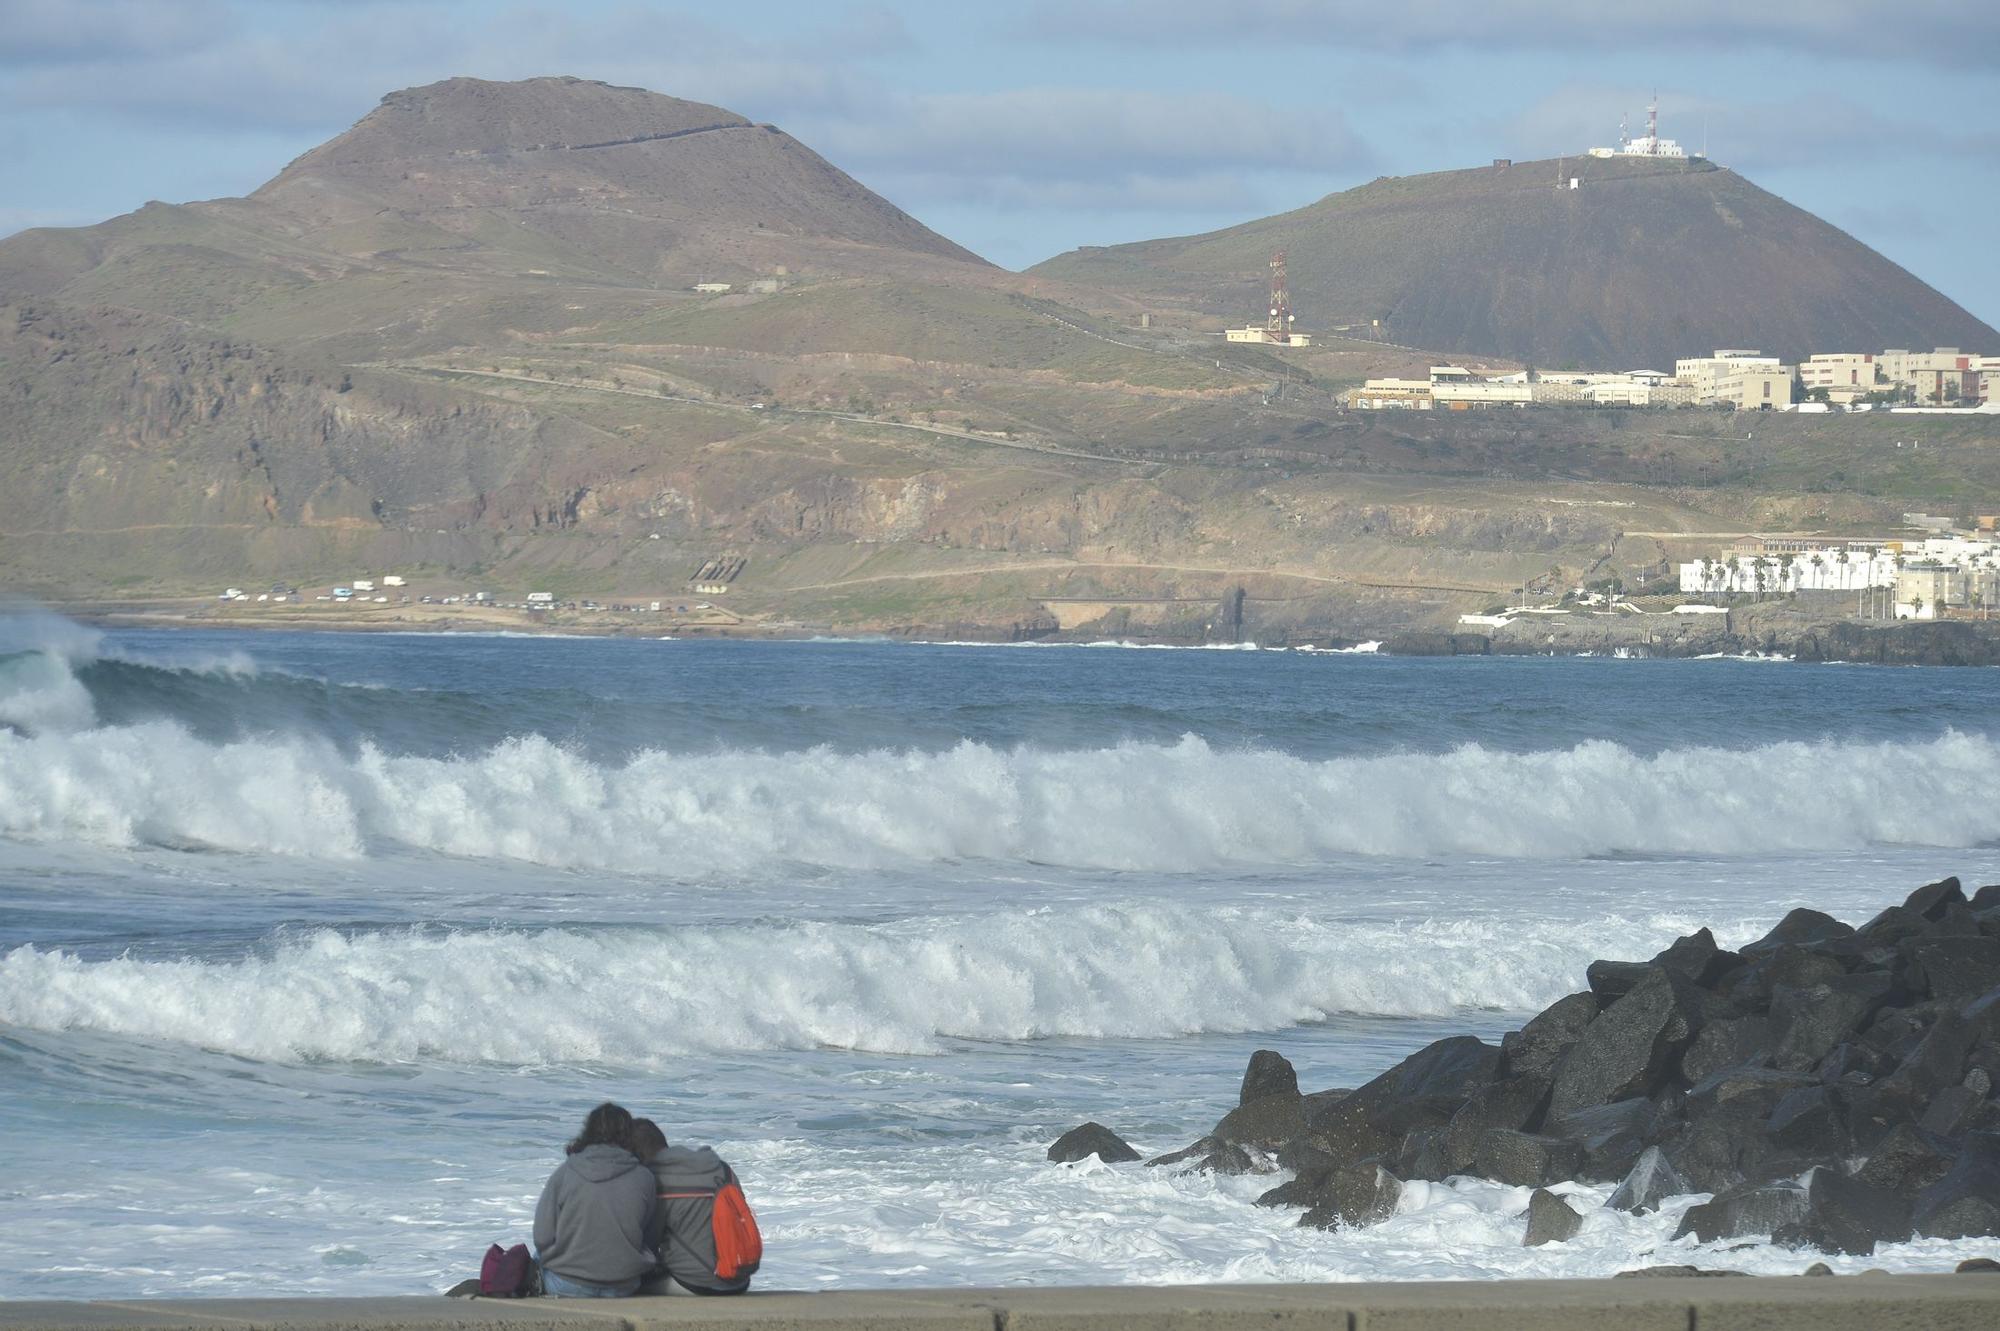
(1697, 959)
(1829, 1089)
(1907, 1160)
(1731, 1043)
(1611, 980)
(1355, 1195)
(1265, 1124)
(1526, 1159)
(1759, 1208)
(1515, 1103)
(1080, 1143)
(1801, 927)
(1814, 1020)
(1651, 1181)
(1536, 1048)
(1612, 1136)
(1550, 1220)
(1269, 1074)
(1424, 1090)
(1210, 1155)
(1808, 1118)
(1846, 1215)
(1632, 1047)
(1965, 1203)
(1934, 901)
(1952, 970)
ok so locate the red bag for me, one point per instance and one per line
(507, 1273)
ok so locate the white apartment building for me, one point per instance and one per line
(1970, 565)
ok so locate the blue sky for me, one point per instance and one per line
(1024, 129)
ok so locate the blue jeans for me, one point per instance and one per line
(562, 1287)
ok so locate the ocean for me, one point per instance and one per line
(315, 947)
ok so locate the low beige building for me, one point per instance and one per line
(1706, 373)
(1846, 373)
(1755, 387)
(1266, 335)
(1936, 377)
(1390, 394)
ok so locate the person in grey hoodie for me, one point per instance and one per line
(688, 1177)
(596, 1213)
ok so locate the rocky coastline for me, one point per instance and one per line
(1930, 643)
(1830, 1087)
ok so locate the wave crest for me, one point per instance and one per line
(640, 997)
(1134, 806)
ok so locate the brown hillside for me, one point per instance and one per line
(535, 182)
(643, 182)
(460, 341)
(1646, 261)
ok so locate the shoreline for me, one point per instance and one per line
(1740, 637)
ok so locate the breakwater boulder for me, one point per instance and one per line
(1831, 1086)
(1080, 1143)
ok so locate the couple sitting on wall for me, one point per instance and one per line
(627, 1214)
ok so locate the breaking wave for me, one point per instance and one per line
(637, 997)
(214, 754)
(1135, 806)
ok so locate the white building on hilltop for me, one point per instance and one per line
(1649, 144)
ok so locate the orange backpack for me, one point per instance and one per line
(708, 1238)
(739, 1247)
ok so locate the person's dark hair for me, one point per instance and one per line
(647, 1139)
(606, 1125)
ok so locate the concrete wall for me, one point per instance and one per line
(1837, 1303)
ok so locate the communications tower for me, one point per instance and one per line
(1279, 327)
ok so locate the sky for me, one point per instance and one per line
(1025, 129)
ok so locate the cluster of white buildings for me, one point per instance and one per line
(1901, 579)
(1737, 377)
(1742, 379)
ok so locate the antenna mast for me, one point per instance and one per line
(1278, 328)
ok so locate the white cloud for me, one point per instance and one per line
(34, 32)
(1067, 133)
(1941, 32)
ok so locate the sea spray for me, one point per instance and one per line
(645, 997)
(1131, 806)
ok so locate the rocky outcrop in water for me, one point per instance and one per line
(1830, 1086)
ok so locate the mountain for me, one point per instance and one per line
(555, 178)
(1647, 260)
(462, 341)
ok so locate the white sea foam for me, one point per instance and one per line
(1136, 806)
(635, 997)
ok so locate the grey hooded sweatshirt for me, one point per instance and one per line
(682, 1228)
(595, 1215)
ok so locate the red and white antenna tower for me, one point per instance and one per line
(1278, 328)
(1653, 122)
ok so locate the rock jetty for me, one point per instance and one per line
(1832, 1087)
